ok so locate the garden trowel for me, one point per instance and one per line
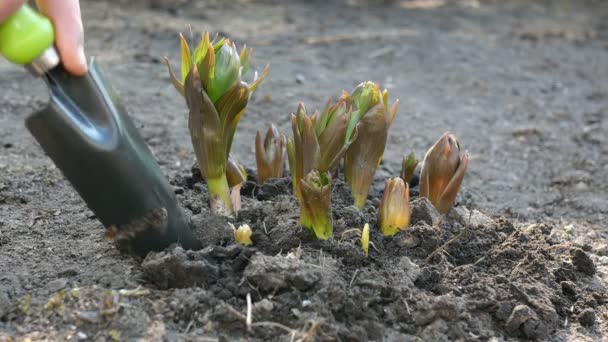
(87, 133)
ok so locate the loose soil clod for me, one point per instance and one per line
(460, 276)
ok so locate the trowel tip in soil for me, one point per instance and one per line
(88, 134)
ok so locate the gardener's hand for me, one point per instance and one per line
(65, 15)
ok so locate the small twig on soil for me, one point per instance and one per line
(244, 318)
(322, 259)
(473, 264)
(407, 306)
(381, 52)
(236, 312)
(362, 35)
(348, 231)
(264, 225)
(480, 260)
(374, 246)
(189, 326)
(353, 278)
(248, 318)
(312, 332)
(449, 242)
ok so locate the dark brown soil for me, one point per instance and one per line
(524, 255)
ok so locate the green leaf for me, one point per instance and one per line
(176, 83)
(205, 129)
(206, 69)
(227, 66)
(315, 206)
(245, 60)
(231, 107)
(291, 157)
(186, 57)
(258, 79)
(201, 49)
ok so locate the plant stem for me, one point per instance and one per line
(320, 222)
(360, 200)
(219, 195)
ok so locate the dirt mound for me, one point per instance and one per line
(464, 276)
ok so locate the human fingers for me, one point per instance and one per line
(69, 33)
(8, 7)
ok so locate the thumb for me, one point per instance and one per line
(69, 33)
(9, 7)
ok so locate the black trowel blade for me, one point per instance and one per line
(87, 133)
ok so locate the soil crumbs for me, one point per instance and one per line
(463, 276)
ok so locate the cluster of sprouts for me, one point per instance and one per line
(348, 135)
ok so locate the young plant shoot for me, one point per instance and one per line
(211, 82)
(270, 154)
(365, 239)
(320, 141)
(394, 212)
(442, 172)
(318, 144)
(372, 117)
(408, 166)
(315, 206)
(236, 176)
(243, 234)
(235, 172)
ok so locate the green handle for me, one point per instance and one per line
(25, 35)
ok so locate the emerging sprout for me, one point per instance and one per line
(408, 166)
(216, 98)
(442, 172)
(372, 117)
(236, 176)
(315, 204)
(320, 141)
(394, 212)
(242, 235)
(235, 172)
(270, 154)
(365, 239)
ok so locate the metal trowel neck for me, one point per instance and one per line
(45, 62)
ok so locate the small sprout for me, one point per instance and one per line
(365, 239)
(211, 82)
(236, 176)
(394, 212)
(319, 141)
(55, 303)
(114, 335)
(443, 170)
(315, 205)
(235, 197)
(372, 117)
(235, 172)
(270, 154)
(331, 128)
(408, 166)
(318, 144)
(75, 293)
(110, 304)
(25, 304)
(242, 235)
